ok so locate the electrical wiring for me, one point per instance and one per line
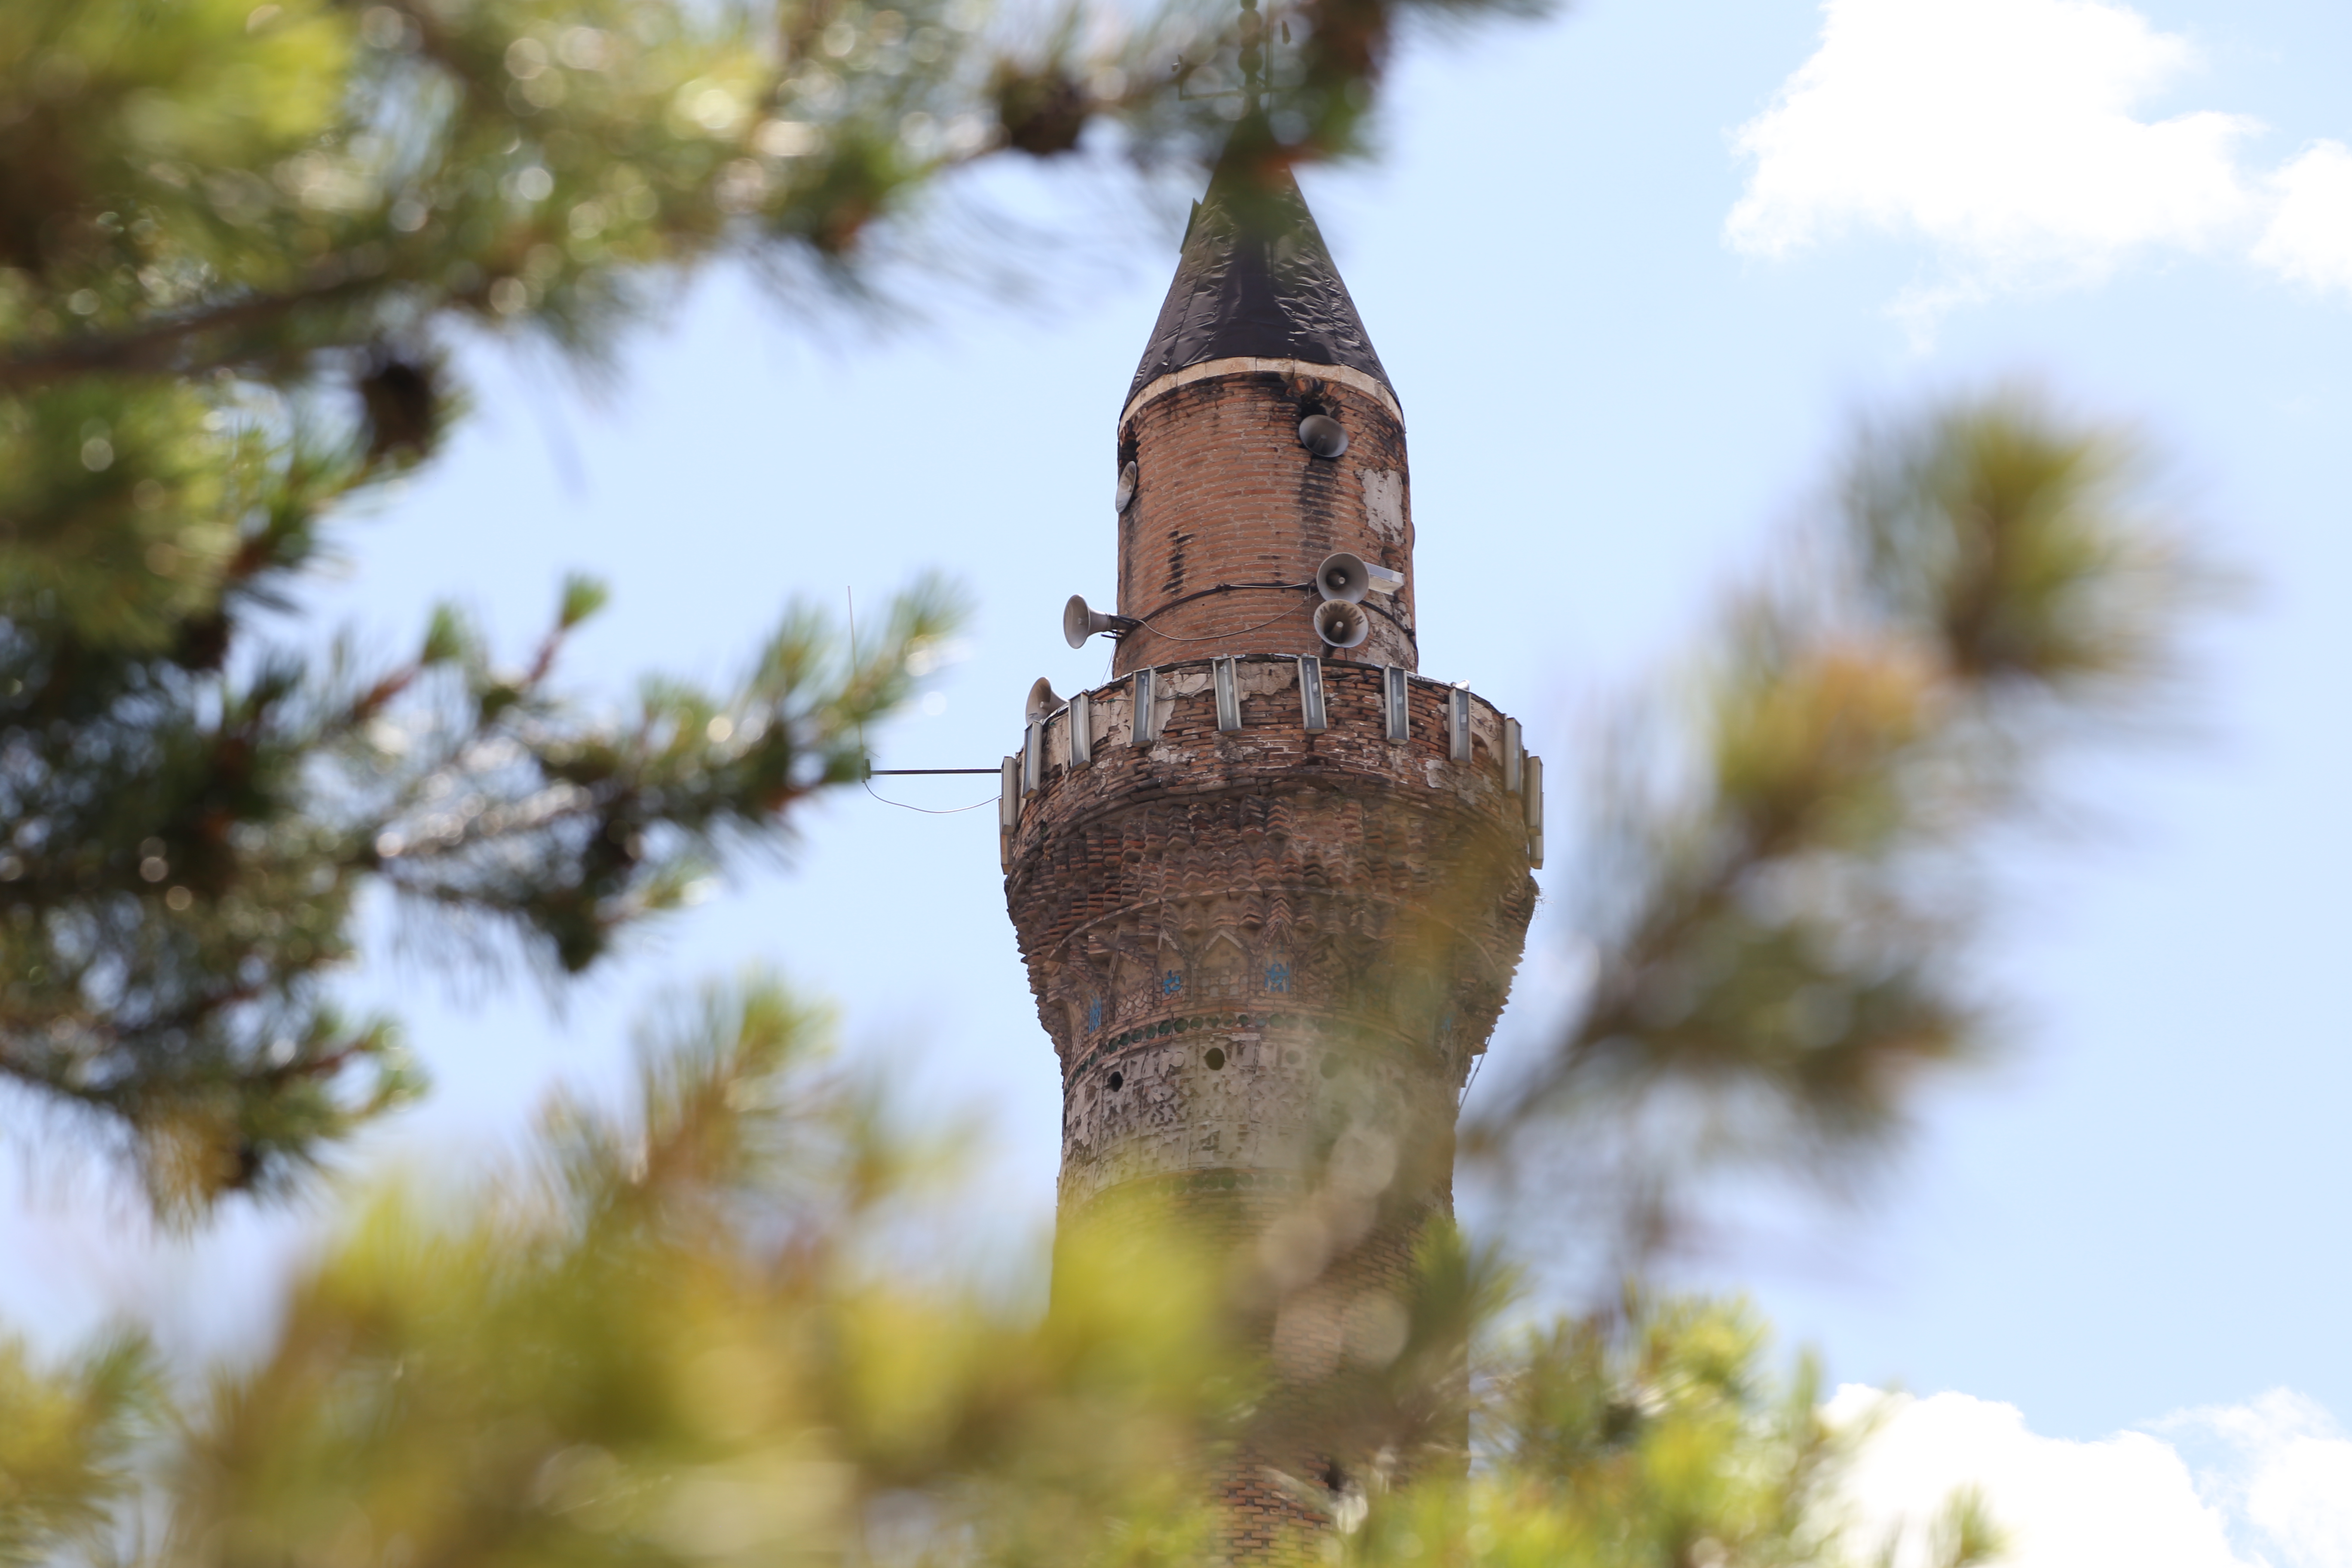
(1214, 636)
(928, 811)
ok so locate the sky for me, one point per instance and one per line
(1635, 272)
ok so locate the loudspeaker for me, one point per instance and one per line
(1079, 622)
(1042, 700)
(1343, 576)
(1323, 435)
(1342, 624)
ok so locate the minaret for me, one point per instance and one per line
(1226, 499)
(1271, 884)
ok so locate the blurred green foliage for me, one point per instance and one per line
(668, 1338)
(67, 1441)
(1783, 896)
(239, 244)
(677, 1338)
(239, 247)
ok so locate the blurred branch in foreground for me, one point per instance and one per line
(241, 245)
(666, 1340)
(1781, 914)
(186, 849)
(68, 1439)
(220, 187)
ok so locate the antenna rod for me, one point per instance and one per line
(903, 773)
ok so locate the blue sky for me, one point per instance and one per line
(1634, 273)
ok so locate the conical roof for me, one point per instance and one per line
(1255, 279)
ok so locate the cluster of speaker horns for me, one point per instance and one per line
(1343, 581)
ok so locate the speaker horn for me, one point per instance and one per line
(1079, 622)
(1343, 576)
(1342, 623)
(1323, 435)
(1042, 702)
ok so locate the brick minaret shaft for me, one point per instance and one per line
(1268, 941)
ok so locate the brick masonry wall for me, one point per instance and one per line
(1225, 494)
(1266, 958)
(1271, 869)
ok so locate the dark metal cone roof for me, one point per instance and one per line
(1255, 279)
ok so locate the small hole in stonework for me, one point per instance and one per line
(1290, 1058)
(1215, 1058)
(1330, 1066)
(1118, 1080)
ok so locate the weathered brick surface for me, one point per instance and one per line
(1267, 956)
(1271, 890)
(1225, 494)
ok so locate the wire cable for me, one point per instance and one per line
(1470, 1079)
(1145, 623)
(929, 810)
(851, 594)
(1216, 636)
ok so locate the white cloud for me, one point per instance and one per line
(2129, 1499)
(2012, 136)
(1999, 129)
(2309, 240)
(2284, 1466)
(2277, 1494)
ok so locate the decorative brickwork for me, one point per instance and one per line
(1284, 898)
(1267, 957)
(1267, 936)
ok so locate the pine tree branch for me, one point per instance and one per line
(149, 350)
